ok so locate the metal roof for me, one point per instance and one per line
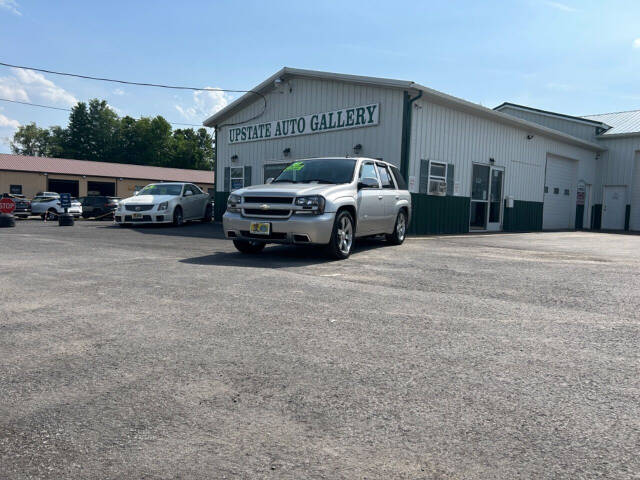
(433, 95)
(595, 123)
(622, 123)
(89, 168)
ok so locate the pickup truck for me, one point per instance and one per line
(321, 201)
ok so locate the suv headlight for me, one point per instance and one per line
(311, 204)
(163, 206)
(233, 203)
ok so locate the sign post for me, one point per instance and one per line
(7, 206)
(65, 220)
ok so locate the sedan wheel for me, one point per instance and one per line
(178, 219)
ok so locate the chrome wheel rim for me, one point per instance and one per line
(345, 235)
(401, 227)
(179, 218)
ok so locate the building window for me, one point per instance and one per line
(15, 189)
(556, 191)
(566, 191)
(436, 178)
(237, 178)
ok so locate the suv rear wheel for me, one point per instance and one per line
(249, 246)
(342, 236)
(400, 230)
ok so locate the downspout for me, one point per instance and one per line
(406, 132)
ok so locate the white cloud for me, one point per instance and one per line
(560, 6)
(6, 122)
(38, 85)
(12, 90)
(636, 43)
(10, 5)
(205, 104)
(118, 91)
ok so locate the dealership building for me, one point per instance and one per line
(29, 175)
(469, 168)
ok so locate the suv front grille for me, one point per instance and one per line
(280, 200)
(271, 212)
(138, 208)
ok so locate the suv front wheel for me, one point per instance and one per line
(249, 246)
(342, 236)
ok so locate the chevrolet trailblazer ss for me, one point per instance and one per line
(321, 201)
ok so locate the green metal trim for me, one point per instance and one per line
(220, 205)
(627, 217)
(437, 215)
(523, 217)
(579, 217)
(406, 132)
(596, 216)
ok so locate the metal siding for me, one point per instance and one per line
(617, 163)
(567, 126)
(315, 96)
(443, 134)
(634, 212)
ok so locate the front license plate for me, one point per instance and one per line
(137, 215)
(260, 228)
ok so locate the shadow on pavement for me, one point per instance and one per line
(280, 256)
(192, 229)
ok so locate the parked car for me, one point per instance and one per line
(99, 207)
(321, 201)
(165, 203)
(23, 206)
(49, 206)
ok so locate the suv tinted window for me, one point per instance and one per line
(402, 185)
(385, 176)
(368, 170)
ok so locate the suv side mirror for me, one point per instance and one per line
(269, 180)
(368, 182)
(188, 193)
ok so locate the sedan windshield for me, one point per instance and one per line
(160, 189)
(318, 170)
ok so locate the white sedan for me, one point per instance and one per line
(165, 203)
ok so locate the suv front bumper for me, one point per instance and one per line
(301, 229)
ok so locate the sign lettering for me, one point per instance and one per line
(353, 117)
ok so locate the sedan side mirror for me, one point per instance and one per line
(269, 180)
(188, 193)
(368, 182)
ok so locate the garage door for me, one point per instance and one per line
(634, 219)
(64, 186)
(559, 193)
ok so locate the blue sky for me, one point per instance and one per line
(576, 57)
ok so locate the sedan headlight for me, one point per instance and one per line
(311, 204)
(233, 203)
(163, 206)
(120, 207)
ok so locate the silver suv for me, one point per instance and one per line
(321, 201)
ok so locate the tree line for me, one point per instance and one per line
(96, 132)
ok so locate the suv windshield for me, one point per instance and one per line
(160, 189)
(318, 170)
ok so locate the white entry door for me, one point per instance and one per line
(613, 207)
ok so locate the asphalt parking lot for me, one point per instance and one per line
(163, 353)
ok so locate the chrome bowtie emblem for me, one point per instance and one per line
(264, 206)
(137, 209)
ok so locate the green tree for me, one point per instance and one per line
(96, 132)
(31, 140)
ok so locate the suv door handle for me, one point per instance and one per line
(379, 197)
(397, 197)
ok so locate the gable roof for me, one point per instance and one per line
(583, 120)
(622, 123)
(428, 93)
(66, 166)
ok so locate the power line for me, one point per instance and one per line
(145, 84)
(68, 110)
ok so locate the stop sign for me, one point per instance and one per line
(7, 205)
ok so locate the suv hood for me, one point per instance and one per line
(147, 199)
(289, 189)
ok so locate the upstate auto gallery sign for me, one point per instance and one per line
(353, 117)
